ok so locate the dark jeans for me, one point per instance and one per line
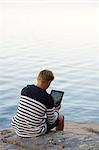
(49, 126)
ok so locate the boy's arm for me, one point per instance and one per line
(53, 114)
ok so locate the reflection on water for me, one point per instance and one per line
(57, 38)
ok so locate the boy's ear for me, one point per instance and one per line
(49, 81)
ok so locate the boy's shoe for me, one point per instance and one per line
(60, 127)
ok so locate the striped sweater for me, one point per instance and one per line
(35, 106)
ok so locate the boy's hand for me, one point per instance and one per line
(57, 107)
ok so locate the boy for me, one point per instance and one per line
(36, 113)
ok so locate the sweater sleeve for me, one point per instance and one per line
(52, 115)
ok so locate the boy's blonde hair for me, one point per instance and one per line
(45, 75)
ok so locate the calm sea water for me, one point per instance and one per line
(57, 37)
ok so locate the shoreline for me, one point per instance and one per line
(66, 123)
(81, 126)
(72, 125)
(76, 136)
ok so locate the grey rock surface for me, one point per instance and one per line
(74, 137)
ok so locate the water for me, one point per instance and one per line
(57, 37)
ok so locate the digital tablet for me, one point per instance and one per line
(57, 96)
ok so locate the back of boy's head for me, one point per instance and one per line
(45, 75)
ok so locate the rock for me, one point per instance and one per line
(74, 137)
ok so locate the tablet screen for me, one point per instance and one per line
(57, 96)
